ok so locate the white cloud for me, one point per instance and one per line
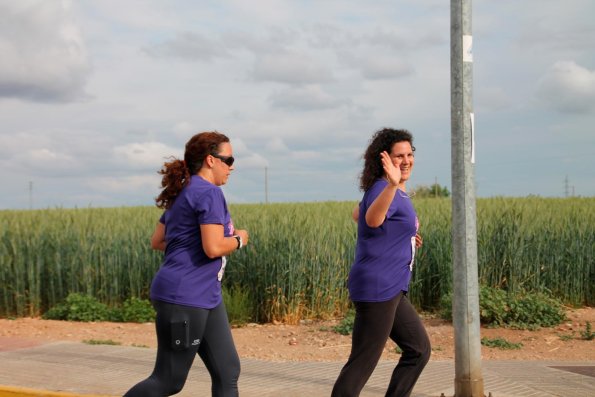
(568, 87)
(184, 130)
(324, 35)
(388, 38)
(44, 57)
(291, 68)
(298, 89)
(402, 39)
(380, 68)
(254, 160)
(188, 46)
(145, 155)
(272, 41)
(548, 29)
(310, 97)
(135, 189)
(267, 12)
(306, 155)
(493, 98)
(127, 184)
(276, 144)
(44, 162)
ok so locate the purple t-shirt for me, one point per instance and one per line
(383, 255)
(187, 275)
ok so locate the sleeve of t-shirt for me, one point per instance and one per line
(374, 192)
(210, 207)
(162, 218)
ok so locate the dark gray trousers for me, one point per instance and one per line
(208, 334)
(374, 323)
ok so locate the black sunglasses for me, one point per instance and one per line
(226, 159)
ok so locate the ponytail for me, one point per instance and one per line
(175, 177)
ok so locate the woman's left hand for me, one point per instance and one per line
(418, 240)
(391, 170)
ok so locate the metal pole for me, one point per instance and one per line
(468, 377)
(266, 185)
(566, 186)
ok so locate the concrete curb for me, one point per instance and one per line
(9, 391)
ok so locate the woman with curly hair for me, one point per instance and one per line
(196, 233)
(387, 236)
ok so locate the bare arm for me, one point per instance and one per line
(377, 212)
(158, 237)
(355, 213)
(215, 244)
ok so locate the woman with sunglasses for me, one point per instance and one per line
(196, 233)
(379, 278)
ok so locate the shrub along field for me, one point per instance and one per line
(299, 255)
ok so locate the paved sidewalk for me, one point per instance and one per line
(76, 369)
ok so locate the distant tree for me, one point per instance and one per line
(434, 190)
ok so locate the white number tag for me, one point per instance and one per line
(222, 270)
(412, 253)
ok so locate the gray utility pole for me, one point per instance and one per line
(30, 195)
(468, 378)
(266, 185)
(566, 186)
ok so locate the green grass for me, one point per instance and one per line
(587, 333)
(299, 256)
(501, 343)
(102, 342)
(566, 337)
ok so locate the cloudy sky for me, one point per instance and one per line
(95, 94)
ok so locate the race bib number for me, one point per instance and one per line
(222, 270)
(412, 253)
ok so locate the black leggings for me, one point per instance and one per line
(374, 323)
(208, 334)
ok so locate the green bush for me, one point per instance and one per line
(522, 310)
(58, 312)
(135, 310)
(534, 310)
(345, 327)
(493, 304)
(78, 307)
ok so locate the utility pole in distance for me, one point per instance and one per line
(30, 195)
(566, 186)
(266, 185)
(468, 377)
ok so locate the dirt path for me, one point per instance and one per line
(315, 341)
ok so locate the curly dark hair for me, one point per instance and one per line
(176, 173)
(382, 140)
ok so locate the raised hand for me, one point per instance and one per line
(392, 171)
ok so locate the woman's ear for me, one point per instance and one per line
(209, 161)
